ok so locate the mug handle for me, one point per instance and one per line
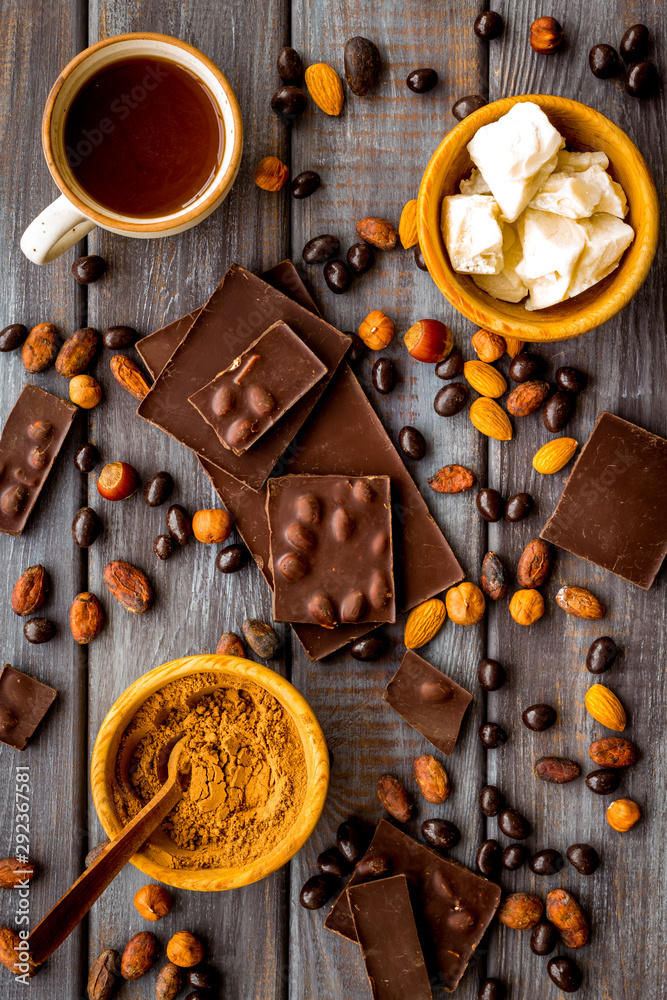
(54, 231)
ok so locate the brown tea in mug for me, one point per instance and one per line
(144, 137)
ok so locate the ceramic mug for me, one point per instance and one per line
(75, 213)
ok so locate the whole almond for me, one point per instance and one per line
(513, 346)
(407, 227)
(490, 419)
(521, 911)
(557, 770)
(139, 954)
(129, 586)
(271, 174)
(325, 88)
(424, 622)
(452, 479)
(169, 982)
(103, 975)
(488, 346)
(484, 378)
(534, 565)
(431, 778)
(564, 912)
(30, 590)
(612, 751)
(229, 644)
(395, 798)
(40, 348)
(553, 455)
(129, 376)
(86, 618)
(77, 352)
(494, 580)
(527, 398)
(580, 602)
(605, 707)
(12, 954)
(15, 873)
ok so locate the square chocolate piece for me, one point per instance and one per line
(613, 510)
(331, 550)
(452, 905)
(24, 701)
(387, 933)
(430, 701)
(246, 399)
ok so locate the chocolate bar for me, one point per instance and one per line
(452, 906)
(430, 701)
(331, 552)
(387, 933)
(241, 307)
(24, 701)
(243, 402)
(31, 439)
(613, 510)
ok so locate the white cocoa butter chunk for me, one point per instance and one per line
(551, 246)
(607, 238)
(507, 285)
(472, 234)
(475, 184)
(574, 162)
(572, 195)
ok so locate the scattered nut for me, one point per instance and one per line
(378, 232)
(40, 348)
(84, 391)
(526, 607)
(86, 618)
(564, 912)
(129, 376)
(271, 174)
(494, 579)
(546, 35)
(452, 479)
(325, 88)
(139, 954)
(521, 911)
(429, 340)
(527, 398)
(423, 623)
(488, 346)
(605, 707)
(490, 419)
(185, 950)
(229, 644)
(554, 455)
(395, 798)
(129, 586)
(30, 590)
(580, 602)
(103, 975)
(211, 526)
(153, 901)
(612, 751)
(465, 604)
(622, 814)
(261, 638)
(14, 873)
(485, 379)
(169, 982)
(513, 346)
(377, 330)
(118, 481)
(534, 565)
(431, 778)
(557, 770)
(77, 352)
(13, 953)
(407, 227)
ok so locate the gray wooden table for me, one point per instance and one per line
(371, 159)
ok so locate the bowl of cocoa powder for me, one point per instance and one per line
(258, 762)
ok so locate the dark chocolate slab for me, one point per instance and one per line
(386, 930)
(247, 399)
(331, 552)
(241, 307)
(452, 906)
(613, 510)
(31, 439)
(430, 701)
(24, 701)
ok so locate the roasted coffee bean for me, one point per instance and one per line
(514, 857)
(115, 337)
(289, 65)
(203, 977)
(12, 336)
(384, 375)
(603, 782)
(420, 81)
(451, 366)
(375, 864)
(490, 504)
(337, 276)
(369, 647)
(490, 674)
(525, 367)
(37, 630)
(332, 862)
(603, 61)
(440, 833)
(488, 857)
(86, 458)
(288, 102)
(305, 184)
(601, 654)
(179, 524)
(88, 269)
(491, 800)
(352, 839)
(539, 717)
(357, 348)
(491, 989)
(513, 824)
(451, 399)
(546, 862)
(158, 489)
(557, 411)
(163, 546)
(518, 507)
(412, 443)
(634, 43)
(565, 974)
(489, 24)
(231, 558)
(584, 858)
(419, 258)
(320, 249)
(642, 79)
(544, 938)
(467, 105)
(86, 527)
(491, 735)
(570, 380)
(360, 257)
(318, 890)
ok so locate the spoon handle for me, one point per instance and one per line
(62, 918)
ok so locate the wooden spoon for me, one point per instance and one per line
(61, 920)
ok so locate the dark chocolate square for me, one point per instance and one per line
(24, 701)
(613, 510)
(430, 701)
(331, 549)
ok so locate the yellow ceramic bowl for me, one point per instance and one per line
(314, 747)
(583, 129)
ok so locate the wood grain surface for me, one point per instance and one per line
(371, 159)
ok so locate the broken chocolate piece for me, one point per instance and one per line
(24, 701)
